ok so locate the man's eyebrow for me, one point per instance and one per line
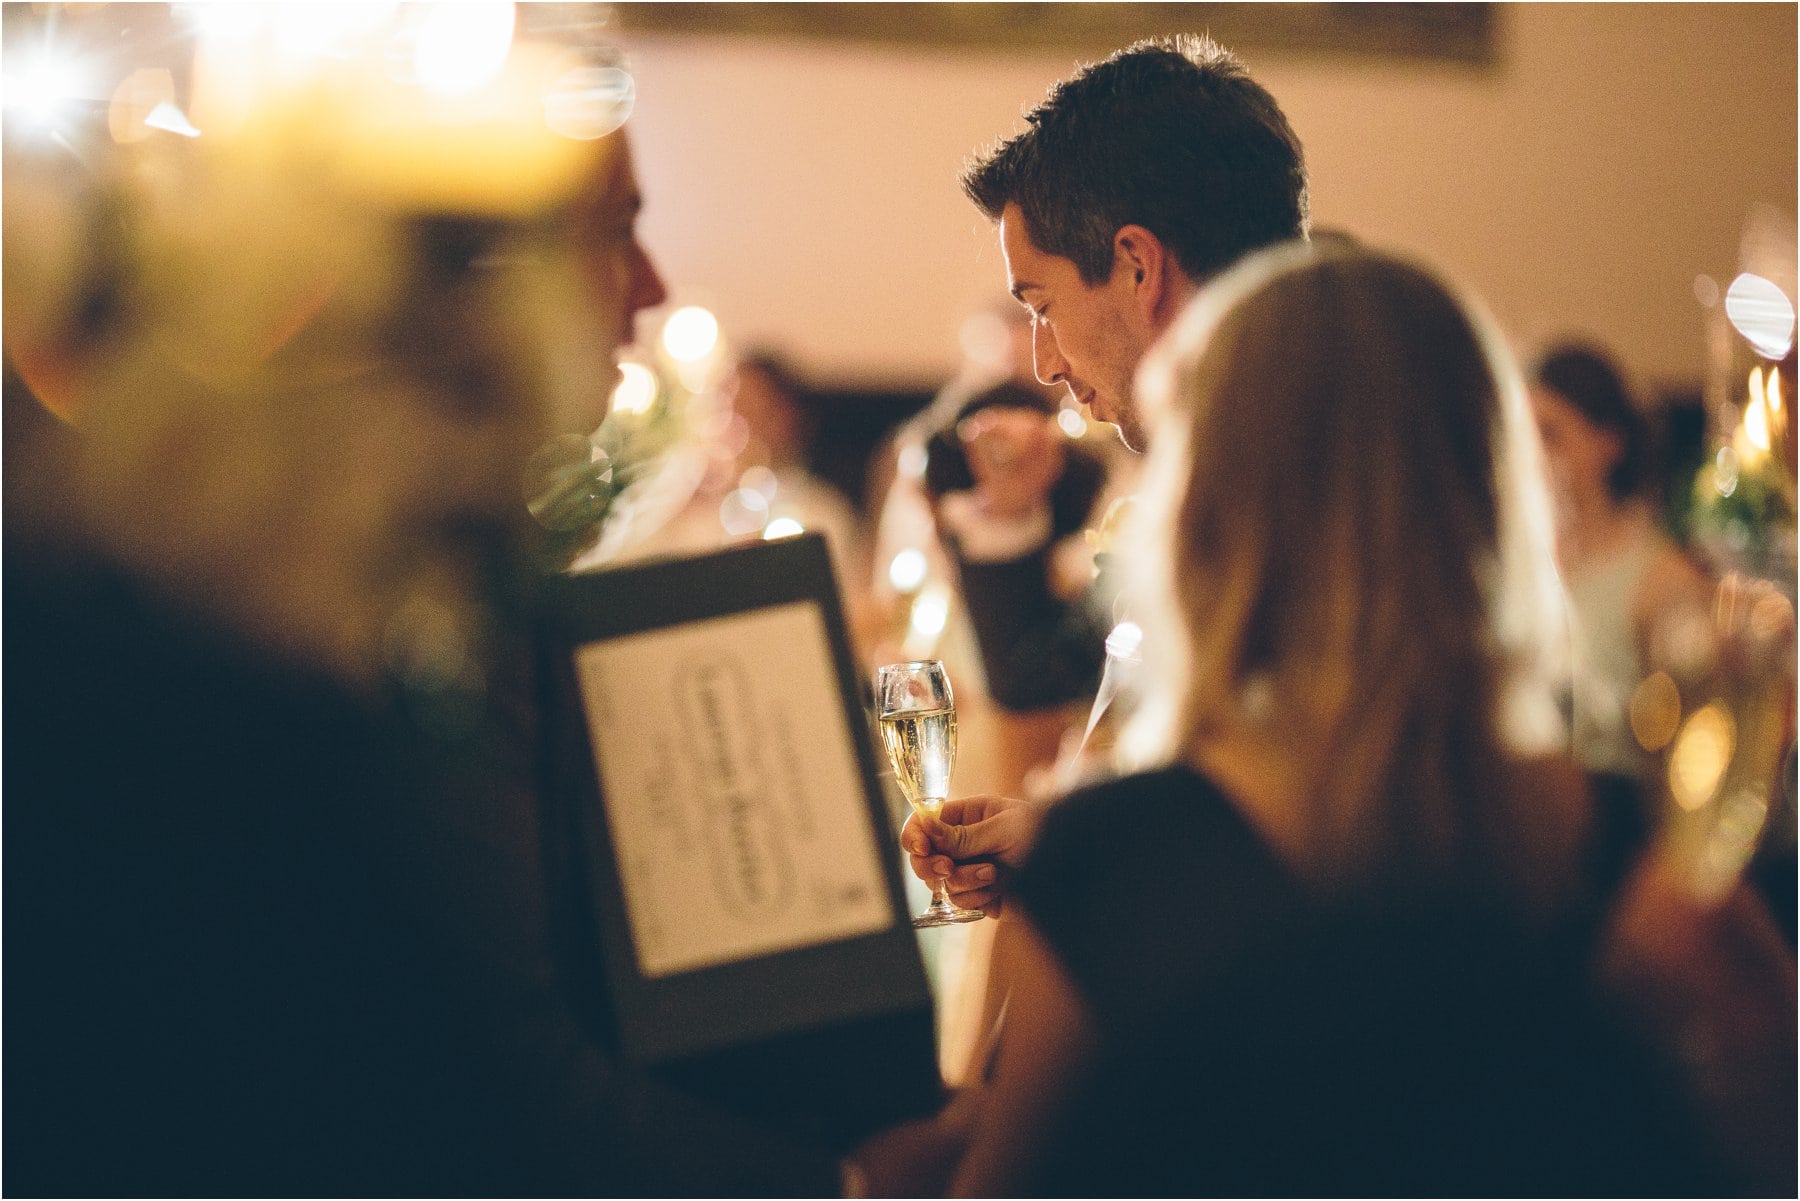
(1019, 289)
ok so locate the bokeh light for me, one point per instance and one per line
(1655, 711)
(1702, 751)
(1762, 313)
(48, 87)
(912, 460)
(462, 46)
(1072, 423)
(690, 334)
(907, 570)
(760, 479)
(744, 511)
(782, 527)
(636, 390)
(589, 102)
(930, 613)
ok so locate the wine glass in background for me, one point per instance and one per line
(917, 715)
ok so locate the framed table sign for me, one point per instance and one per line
(706, 746)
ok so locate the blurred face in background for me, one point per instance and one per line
(1578, 454)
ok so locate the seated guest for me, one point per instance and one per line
(1332, 938)
(1625, 575)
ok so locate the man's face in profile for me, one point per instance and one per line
(615, 270)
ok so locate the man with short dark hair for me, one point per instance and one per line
(1135, 181)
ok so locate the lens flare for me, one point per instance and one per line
(782, 527)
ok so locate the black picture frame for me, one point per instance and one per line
(835, 1039)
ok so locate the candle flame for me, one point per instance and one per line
(1756, 413)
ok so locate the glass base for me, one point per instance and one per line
(943, 913)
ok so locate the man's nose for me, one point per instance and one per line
(1047, 362)
(648, 289)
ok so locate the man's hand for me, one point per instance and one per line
(1016, 457)
(972, 844)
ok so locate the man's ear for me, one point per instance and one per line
(1157, 281)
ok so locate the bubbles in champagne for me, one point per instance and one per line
(922, 747)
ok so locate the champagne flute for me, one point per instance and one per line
(917, 715)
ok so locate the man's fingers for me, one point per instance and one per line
(913, 840)
(971, 876)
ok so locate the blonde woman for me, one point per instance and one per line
(1321, 941)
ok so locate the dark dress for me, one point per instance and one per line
(259, 942)
(1260, 1040)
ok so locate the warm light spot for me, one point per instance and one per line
(690, 334)
(1655, 711)
(760, 479)
(930, 612)
(172, 120)
(45, 89)
(907, 571)
(1071, 423)
(1124, 640)
(1756, 413)
(463, 46)
(1762, 313)
(589, 102)
(636, 390)
(305, 35)
(1706, 291)
(1701, 753)
(1725, 471)
(744, 512)
(782, 527)
(912, 460)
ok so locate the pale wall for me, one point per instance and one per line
(806, 190)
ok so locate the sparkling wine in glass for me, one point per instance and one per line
(917, 715)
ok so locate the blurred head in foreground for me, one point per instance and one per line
(309, 332)
(1347, 562)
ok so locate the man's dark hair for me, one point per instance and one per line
(1169, 133)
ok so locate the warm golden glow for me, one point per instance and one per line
(636, 390)
(690, 334)
(1756, 413)
(463, 46)
(1655, 711)
(925, 625)
(1702, 751)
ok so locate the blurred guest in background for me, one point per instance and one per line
(1627, 579)
(1334, 937)
(275, 896)
(1137, 179)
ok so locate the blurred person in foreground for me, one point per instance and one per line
(1334, 936)
(275, 899)
(1136, 180)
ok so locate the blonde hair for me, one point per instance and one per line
(1346, 551)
